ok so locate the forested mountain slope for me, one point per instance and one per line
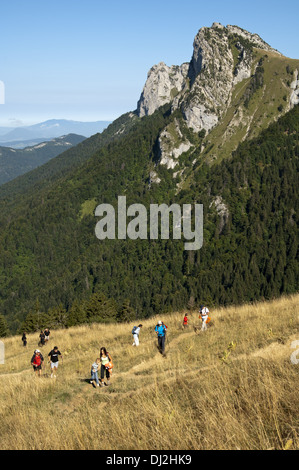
(50, 254)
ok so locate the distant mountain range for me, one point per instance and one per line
(16, 162)
(21, 137)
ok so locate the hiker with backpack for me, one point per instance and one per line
(185, 321)
(106, 366)
(42, 340)
(160, 330)
(135, 333)
(24, 339)
(54, 360)
(37, 362)
(204, 315)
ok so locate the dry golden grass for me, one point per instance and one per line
(232, 387)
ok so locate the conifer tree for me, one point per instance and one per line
(4, 331)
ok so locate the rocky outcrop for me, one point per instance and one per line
(294, 98)
(154, 178)
(172, 145)
(211, 77)
(162, 85)
(202, 90)
(203, 86)
(222, 211)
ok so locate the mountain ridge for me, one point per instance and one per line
(16, 162)
(53, 128)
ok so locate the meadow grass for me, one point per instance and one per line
(231, 387)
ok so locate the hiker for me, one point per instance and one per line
(41, 339)
(24, 339)
(185, 321)
(37, 362)
(54, 360)
(106, 361)
(135, 333)
(204, 315)
(47, 334)
(94, 372)
(160, 330)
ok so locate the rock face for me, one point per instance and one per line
(172, 145)
(294, 99)
(202, 89)
(162, 85)
(222, 211)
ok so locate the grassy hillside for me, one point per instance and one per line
(232, 387)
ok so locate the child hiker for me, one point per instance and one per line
(94, 372)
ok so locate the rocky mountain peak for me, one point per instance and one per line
(203, 89)
(212, 60)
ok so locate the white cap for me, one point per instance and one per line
(159, 322)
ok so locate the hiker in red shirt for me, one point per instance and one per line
(37, 362)
(185, 321)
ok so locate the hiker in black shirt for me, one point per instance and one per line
(47, 334)
(24, 339)
(54, 360)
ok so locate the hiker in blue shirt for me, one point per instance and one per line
(161, 332)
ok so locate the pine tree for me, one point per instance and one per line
(4, 330)
(127, 313)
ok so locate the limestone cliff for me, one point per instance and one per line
(215, 89)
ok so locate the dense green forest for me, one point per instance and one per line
(55, 272)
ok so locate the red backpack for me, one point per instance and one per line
(37, 360)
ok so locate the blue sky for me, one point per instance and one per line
(88, 60)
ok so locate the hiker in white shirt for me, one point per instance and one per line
(204, 312)
(136, 331)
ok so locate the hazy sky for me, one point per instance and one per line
(88, 59)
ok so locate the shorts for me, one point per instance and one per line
(37, 367)
(54, 364)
